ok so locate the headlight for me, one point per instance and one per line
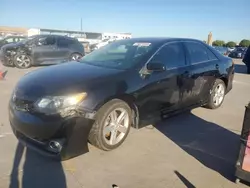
(59, 104)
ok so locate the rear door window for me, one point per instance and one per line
(172, 55)
(62, 42)
(197, 52)
(46, 41)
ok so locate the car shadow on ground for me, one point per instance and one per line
(212, 145)
(37, 171)
(241, 69)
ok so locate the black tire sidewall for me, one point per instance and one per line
(101, 117)
(16, 64)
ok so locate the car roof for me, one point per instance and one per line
(162, 39)
(46, 35)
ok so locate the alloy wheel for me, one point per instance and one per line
(23, 61)
(76, 57)
(116, 126)
(219, 93)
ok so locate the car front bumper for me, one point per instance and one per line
(4, 59)
(38, 132)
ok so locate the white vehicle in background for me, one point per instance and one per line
(230, 49)
(102, 43)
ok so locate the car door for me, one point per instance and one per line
(161, 90)
(63, 50)
(44, 50)
(202, 71)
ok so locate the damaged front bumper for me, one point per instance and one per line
(56, 137)
(6, 59)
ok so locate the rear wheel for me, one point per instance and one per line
(75, 56)
(22, 61)
(112, 125)
(217, 94)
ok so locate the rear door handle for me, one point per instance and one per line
(217, 66)
(185, 74)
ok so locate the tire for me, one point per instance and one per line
(22, 60)
(75, 56)
(211, 101)
(237, 181)
(97, 136)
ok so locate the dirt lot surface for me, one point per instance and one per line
(196, 149)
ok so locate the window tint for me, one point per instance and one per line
(9, 40)
(211, 55)
(172, 55)
(49, 40)
(62, 42)
(197, 52)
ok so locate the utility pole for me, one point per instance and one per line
(81, 26)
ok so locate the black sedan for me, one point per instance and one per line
(57, 110)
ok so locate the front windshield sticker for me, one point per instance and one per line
(142, 44)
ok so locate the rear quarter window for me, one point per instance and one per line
(211, 55)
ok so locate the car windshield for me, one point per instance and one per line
(122, 54)
(27, 39)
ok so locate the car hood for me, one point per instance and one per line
(63, 79)
(12, 45)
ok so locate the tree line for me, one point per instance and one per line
(230, 44)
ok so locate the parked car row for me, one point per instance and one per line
(223, 50)
(41, 49)
(238, 53)
(56, 110)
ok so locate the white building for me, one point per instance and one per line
(91, 37)
(116, 36)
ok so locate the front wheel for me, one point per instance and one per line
(22, 61)
(111, 126)
(217, 94)
(75, 57)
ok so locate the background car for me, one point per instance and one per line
(230, 49)
(41, 49)
(237, 53)
(60, 108)
(11, 39)
(222, 50)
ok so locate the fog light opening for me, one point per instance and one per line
(55, 146)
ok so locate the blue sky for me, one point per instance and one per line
(227, 19)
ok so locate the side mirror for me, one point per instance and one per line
(156, 66)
